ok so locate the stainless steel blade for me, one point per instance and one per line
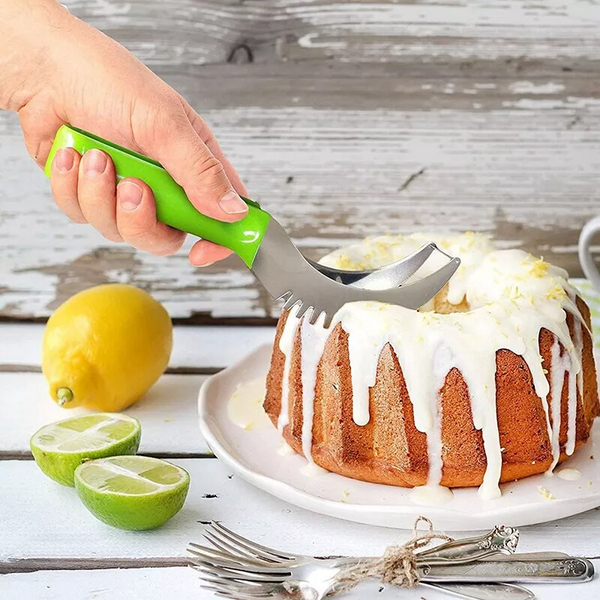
(285, 273)
(389, 276)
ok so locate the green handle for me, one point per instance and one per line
(172, 205)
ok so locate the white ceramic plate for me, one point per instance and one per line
(255, 455)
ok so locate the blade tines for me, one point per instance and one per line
(303, 309)
(291, 301)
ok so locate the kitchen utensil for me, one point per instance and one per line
(236, 567)
(258, 239)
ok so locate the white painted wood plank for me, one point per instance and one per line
(199, 347)
(206, 31)
(168, 413)
(522, 166)
(41, 519)
(182, 583)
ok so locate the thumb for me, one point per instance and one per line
(195, 168)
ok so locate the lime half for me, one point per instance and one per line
(132, 492)
(59, 448)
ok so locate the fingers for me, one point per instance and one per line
(190, 162)
(97, 193)
(136, 220)
(205, 253)
(64, 176)
(85, 189)
(206, 135)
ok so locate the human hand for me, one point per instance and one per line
(56, 69)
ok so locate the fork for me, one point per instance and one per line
(235, 567)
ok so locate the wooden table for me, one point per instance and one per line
(52, 548)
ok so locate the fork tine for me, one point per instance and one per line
(255, 590)
(225, 546)
(238, 565)
(314, 317)
(234, 595)
(240, 574)
(242, 586)
(224, 592)
(252, 546)
(304, 308)
(291, 302)
(222, 562)
(206, 552)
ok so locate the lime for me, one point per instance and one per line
(59, 448)
(132, 492)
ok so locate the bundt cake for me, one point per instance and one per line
(494, 381)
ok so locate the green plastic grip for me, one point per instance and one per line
(172, 204)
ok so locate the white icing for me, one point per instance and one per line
(285, 450)
(574, 385)
(431, 495)
(313, 470)
(569, 474)
(286, 342)
(559, 367)
(245, 407)
(511, 297)
(314, 339)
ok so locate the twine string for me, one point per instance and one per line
(397, 566)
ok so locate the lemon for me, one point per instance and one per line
(105, 347)
(132, 492)
(59, 448)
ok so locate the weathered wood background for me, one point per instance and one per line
(345, 119)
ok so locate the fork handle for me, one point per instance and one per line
(559, 570)
(172, 204)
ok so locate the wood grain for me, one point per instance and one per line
(180, 582)
(370, 31)
(346, 120)
(168, 415)
(43, 520)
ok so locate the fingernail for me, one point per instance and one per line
(63, 160)
(232, 204)
(94, 162)
(130, 195)
(207, 264)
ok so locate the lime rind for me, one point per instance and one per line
(59, 448)
(125, 496)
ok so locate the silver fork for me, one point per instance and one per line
(235, 567)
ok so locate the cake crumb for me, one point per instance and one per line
(545, 492)
(590, 483)
(346, 494)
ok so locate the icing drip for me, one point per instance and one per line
(569, 474)
(431, 495)
(559, 367)
(575, 383)
(511, 297)
(314, 339)
(286, 342)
